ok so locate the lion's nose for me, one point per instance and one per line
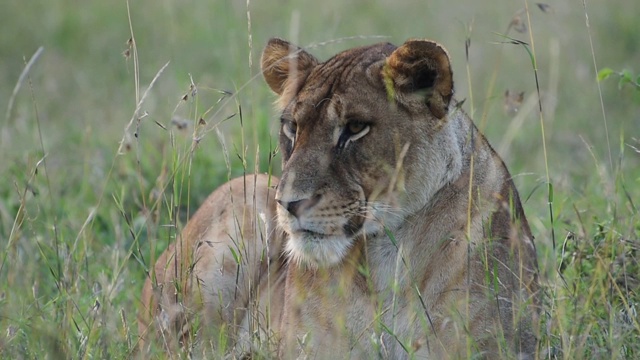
(297, 207)
(292, 207)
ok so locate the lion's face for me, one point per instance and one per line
(348, 128)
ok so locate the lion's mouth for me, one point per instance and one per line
(310, 235)
(308, 229)
(349, 230)
(313, 233)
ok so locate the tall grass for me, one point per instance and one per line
(105, 156)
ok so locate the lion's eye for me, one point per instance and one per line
(289, 128)
(353, 131)
(356, 129)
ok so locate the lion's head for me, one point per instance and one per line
(365, 139)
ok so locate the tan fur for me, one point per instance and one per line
(401, 230)
(199, 273)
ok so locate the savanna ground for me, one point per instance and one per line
(108, 144)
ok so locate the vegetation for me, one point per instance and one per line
(131, 113)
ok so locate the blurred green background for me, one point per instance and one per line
(78, 230)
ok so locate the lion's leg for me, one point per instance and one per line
(162, 318)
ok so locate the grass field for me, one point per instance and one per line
(126, 120)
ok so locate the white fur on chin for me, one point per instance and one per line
(317, 250)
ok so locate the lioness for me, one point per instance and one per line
(395, 230)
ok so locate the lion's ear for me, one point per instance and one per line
(421, 67)
(285, 64)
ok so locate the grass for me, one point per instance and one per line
(81, 221)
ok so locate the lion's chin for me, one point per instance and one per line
(317, 250)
